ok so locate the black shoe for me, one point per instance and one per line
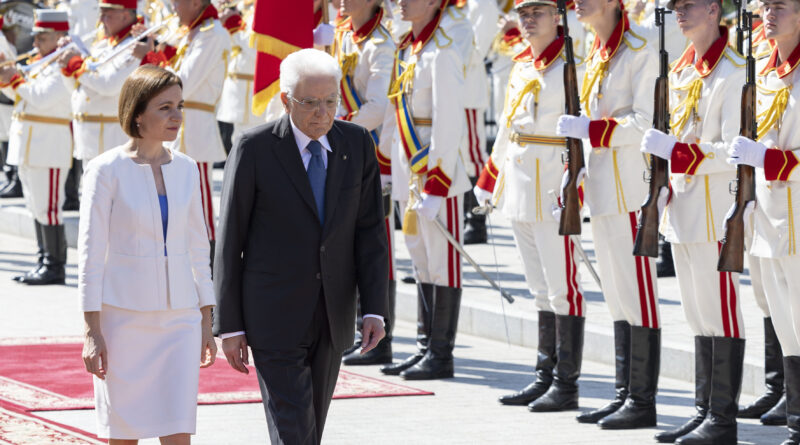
(545, 362)
(55, 258)
(12, 190)
(563, 393)
(474, 225)
(703, 348)
(719, 426)
(777, 415)
(37, 230)
(791, 365)
(664, 265)
(639, 410)
(424, 313)
(622, 359)
(438, 361)
(773, 380)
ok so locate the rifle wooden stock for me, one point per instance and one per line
(570, 222)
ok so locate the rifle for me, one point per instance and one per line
(739, 30)
(570, 222)
(731, 256)
(646, 243)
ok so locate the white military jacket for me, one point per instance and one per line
(367, 56)
(201, 62)
(435, 102)
(455, 25)
(39, 135)
(617, 94)
(777, 212)
(235, 104)
(95, 97)
(526, 159)
(705, 99)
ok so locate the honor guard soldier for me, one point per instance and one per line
(40, 144)
(617, 99)
(705, 96)
(429, 180)
(365, 51)
(775, 156)
(9, 180)
(524, 166)
(200, 60)
(235, 106)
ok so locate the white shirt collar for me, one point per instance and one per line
(303, 140)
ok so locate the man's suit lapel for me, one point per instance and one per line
(288, 155)
(337, 164)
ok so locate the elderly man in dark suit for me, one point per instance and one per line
(301, 228)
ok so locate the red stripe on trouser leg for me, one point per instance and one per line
(574, 280)
(457, 256)
(57, 217)
(723, 296)
(651, 295)
(469, 139)
(733, 311)
(639, 276)
(50, 198)
(450, 268)
(389, 243)
(567, 274)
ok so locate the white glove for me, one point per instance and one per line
(324, 34)
(429, 207)
(573, 126)
(482, 195)
(746, 151)
(565, 179)
(385, 180)
(658, 143)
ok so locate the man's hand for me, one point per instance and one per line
(142, 48)
(66, 56)
(324, 34)
(746, 151)
(235, 349)
(6, 73)
(658, 143)
(573, 126)
(371, 333)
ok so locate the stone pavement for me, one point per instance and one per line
(462, 411)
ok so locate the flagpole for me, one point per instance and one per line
(326, 20)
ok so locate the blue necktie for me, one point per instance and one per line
(316, 176)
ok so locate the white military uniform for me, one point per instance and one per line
(95, 97)
(524, 166)
(432, 74)
(778, 194)
(705, 93)
(366, 56)
(40, 142)
(83, 15)
(617, 93)
(5, 110)
(235, 105)
(201, 62)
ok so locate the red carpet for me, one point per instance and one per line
(50, 376)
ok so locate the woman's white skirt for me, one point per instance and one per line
(153, 371)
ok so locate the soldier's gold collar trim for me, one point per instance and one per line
(610, 48)
(785, 68)
(417, 43)
(704, 65)
(547, 57)
(364, 32)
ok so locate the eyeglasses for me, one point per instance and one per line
(330, 103)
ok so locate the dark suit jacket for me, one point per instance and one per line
(272, 255)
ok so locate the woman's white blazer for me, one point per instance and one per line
(121, 241)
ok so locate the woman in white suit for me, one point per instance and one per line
(144, 276)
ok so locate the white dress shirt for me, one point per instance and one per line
(302, 141)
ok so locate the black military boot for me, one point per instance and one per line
(37, 229)
(702, 390)
(777, 415)
(438, 361)
(382, 353)
(424, 313)
(622, 360)
(474, 225)
(639, 410)
(545, 362)
(664, 265)
(71, 198)
(719, 426)
(563, 393)
(13, 187)
(55, 258)
(791, 365)
(773, 376)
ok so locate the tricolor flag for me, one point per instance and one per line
(280, 27)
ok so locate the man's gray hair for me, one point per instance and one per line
(307, 62)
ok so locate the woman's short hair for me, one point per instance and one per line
(137, 91)
(307, 62)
